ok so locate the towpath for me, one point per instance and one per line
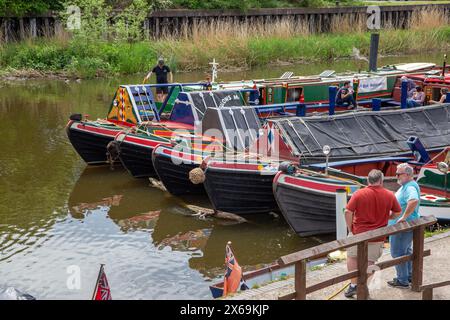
(436, 269)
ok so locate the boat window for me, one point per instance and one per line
(294, 94)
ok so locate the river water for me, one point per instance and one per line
(60, 219)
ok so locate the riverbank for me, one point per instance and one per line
(435, 268)
(234, 46)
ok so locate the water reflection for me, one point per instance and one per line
(133, 205)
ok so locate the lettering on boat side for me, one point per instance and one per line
(227, 309)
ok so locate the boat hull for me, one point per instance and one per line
(308, 205)
(90, 141)
(240, 191)
(137, 159)
(174, 172)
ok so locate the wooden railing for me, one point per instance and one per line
(427, 291)
(361, 241)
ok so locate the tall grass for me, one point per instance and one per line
(234, 44)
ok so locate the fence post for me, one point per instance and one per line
(417, 262)
(332, 90)
(362, 291)
(427, 294)
(300, 280)
(341, 203)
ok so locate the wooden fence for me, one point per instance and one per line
(177, 22)
(361, 241)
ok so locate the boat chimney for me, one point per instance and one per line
(374, 40)
(444, 65)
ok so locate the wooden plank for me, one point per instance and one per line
(362, 291)
(21, 29)
(332, 281)
(417, 262)
(354, 240)
(300, 280)
(353, 274)
(33, 28)
(435, 285)
(289, 296)
(427, 294)
(47, 27)
(398, 260)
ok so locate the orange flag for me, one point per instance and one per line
(233, 274)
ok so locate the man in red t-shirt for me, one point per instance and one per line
(369, 208)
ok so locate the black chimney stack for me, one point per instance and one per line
(374, 40)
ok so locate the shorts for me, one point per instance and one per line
(375, 251)
(164, 90)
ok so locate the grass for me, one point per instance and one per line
(438, 229)
(233, 45)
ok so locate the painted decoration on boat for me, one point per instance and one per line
(122, 108)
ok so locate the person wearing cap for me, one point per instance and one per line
(161, 71)
(401, 243)
(444, 92)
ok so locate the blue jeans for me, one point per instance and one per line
(346, 101)
(401, 245)
(410, 103)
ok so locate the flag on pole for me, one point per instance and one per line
(102, 290)
(233, 279)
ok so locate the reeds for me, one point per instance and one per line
(233, 43)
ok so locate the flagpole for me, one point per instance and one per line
(98, 278)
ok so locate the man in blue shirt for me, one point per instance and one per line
(401, 243)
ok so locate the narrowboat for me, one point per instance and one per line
(307, 199)
(351, 136)
(131, 106)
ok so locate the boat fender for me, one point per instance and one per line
(197, 176)
(287, 167)
(112, 151)
(75, 117)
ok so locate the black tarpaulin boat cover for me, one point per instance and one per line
(365, 133)
(238, 126)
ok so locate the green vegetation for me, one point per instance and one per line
(438, 229)
(21, 7)
(98, 49)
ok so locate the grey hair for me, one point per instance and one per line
(408, 169)
(375, 176)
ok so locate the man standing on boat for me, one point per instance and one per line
(401, 243)
(161, 71)
(369, 208)
(344, 96)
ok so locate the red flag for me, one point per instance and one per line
(233, 273)
(102, 290)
